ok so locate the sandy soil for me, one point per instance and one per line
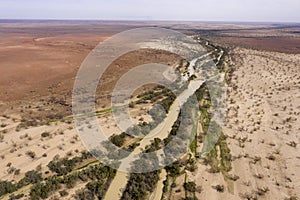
(39, 62)
(262, 126)
(264, 109)
(158, 192)
(63, 141)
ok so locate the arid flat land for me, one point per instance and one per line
(257, 156)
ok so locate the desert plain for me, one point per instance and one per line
(257, 156)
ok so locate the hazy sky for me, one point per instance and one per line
(209, 10)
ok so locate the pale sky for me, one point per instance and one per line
(186, 10)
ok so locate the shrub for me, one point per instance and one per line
(271, 157)
(45, 134)
(31, 177)
(190, 186)
(140, 184)
(219, 188)
(173, 169)
(31, 154)
(6, 187)
(63, 193)
(17, 172)
(84, 194)
(118, 140)
(14, 197)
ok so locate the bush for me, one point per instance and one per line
(65, 165)
(45, 134)
(140, 184)
(118, 140)
(173, 169)
(166, 185)
(31, 177)
(84, 194)
(31, 154)
(6, 187)
(219, 188)
(42, 190)
(63, 193)
(190, 186)
(15, 197)
(17, 172)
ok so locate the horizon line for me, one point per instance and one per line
(149, 20)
